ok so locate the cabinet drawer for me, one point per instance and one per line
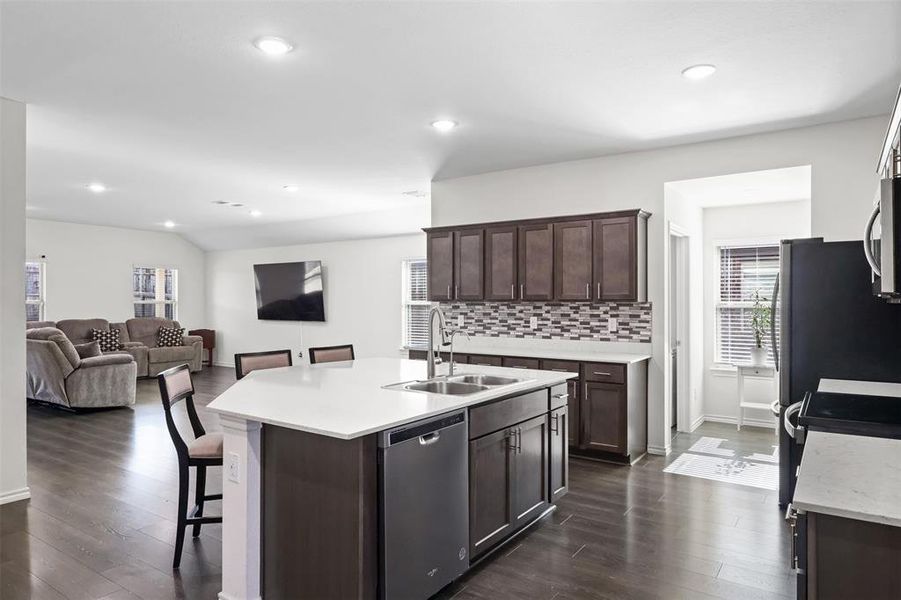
(519, 362)
(485, 360)
(604, 372)
(489, 418)
(559, 396)
(566, 366)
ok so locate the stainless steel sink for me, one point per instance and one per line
(489, 380)
(443, 386)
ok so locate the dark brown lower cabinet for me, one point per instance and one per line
(604, 417)
(508, 482)
(559, 453)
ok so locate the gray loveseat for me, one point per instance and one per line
(55, 373)
(138, 338)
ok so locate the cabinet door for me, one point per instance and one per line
(572, 260)
(490, 482)
(536, 262)
(559, 453)
(529, 493)
(604, 417)
(520, 362)
(574, 389)
(616, 259)
(500, 263)
(440, 257)
(468, 261)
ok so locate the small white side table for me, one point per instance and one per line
(754, 372)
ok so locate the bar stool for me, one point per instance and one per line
(254, 361)
(325, 354)
(205, 450)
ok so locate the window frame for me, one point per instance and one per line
(41, 302)
(157, 302)
(407, 301)
(719, 245)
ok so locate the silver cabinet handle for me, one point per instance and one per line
(512, 291)
(602, 373)
(519, 440)
(521, 295)
(599, 290)
(561, 396)
(456, 291)
(588, 291)
(448, 292)
(511, 440)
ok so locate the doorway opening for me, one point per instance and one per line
(679, 356)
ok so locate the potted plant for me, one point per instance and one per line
(760, 325)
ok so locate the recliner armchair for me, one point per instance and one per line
(55, 373)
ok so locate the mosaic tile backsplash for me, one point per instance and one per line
(556, 320)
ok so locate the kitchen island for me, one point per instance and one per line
(304, 490)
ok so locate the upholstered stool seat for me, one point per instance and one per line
(206, 446)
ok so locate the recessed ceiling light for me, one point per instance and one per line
(96, 187)
(273, 46)
(255, 213)
(169, 224)
(696, 72)
(291, 188)
(220, 202)
(236, 204)
(444, 125)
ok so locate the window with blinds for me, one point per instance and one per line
(416, 305)
(34, 291)
(155, 292)
(744, 270)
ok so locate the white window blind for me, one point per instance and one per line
(416, 305)
(744, 270)
(155, 292)
(34, 291)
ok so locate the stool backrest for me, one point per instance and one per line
(176, 385)
(325, 354)
(255, 361)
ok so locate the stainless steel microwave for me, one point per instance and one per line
(882, 244)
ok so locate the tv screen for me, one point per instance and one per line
(289, 291)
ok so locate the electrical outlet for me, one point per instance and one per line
(533, 323)
(612, 324)
(234, 467)
(460, 321)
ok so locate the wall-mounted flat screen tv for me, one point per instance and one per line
(289, 291)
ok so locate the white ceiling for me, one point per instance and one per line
(169, 104)
(757, 187)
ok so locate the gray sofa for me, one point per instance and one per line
(138, 338)
(55, 373)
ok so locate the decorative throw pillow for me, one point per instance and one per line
(108, 339)
(170, 336)
(88, 350)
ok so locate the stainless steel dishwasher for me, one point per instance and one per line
(423, 506)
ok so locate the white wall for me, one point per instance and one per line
(739, 224)
(13, 475)
(89, 269)
(842, 156)
(687, 219)
(362, 281)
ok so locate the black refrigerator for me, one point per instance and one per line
(831, 326)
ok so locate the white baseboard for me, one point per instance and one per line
(219, 363)
(767, 423)
(697, 423)
(15, 495)
(659, 450)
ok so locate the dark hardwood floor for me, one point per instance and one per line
(101, 522)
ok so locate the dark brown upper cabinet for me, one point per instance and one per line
(572, 260)
(440, 256)
(620, 258)
(536, 262)
(469, 255)
(596, 257)
(500, 263)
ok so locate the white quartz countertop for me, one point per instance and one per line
(347, 399)
(574, 355)
(862, 388)
(851, 476)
